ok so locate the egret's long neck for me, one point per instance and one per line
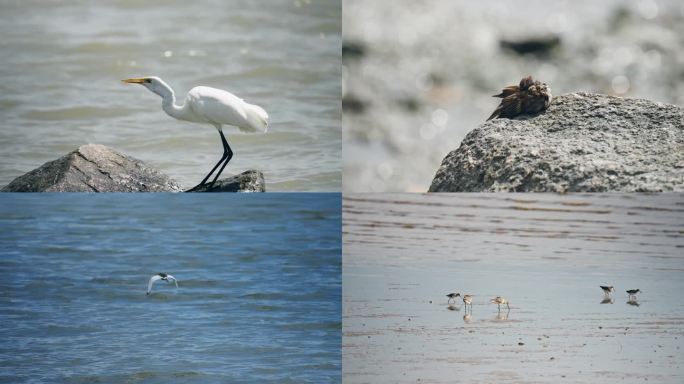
(169, 103)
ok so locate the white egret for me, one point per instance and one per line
(160, 276)
(209, 106)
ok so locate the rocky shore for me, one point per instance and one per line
(97, 168)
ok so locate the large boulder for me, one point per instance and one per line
(96, 168)
(583, 143)
(93, 168)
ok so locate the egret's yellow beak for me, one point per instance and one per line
(134, 80)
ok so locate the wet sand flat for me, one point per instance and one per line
(547, 254)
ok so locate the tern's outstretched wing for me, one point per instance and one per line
(152, 280)
(172, 278)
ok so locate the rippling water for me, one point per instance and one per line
(547, 254)
(60, 88)
(258, 302)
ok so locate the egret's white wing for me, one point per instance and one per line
(259, 111)
(217, 106)
(172, 278)
(152, 280)
(257, 117)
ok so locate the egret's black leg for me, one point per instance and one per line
(223, 157)
(207, 177)
(227, 153)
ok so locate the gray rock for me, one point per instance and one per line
(97, 168)
(248, 181)
(582, 143)
(93, 168)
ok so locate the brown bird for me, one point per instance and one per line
(529, 97)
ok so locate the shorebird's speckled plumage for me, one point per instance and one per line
(527, 98)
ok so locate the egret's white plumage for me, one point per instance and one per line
(160, 276)
(215, 106)
(208, 105)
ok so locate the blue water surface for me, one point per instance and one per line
(258, 299)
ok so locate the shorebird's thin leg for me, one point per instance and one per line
(509, 307)
(227, 152)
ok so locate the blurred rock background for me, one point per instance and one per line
(418, 75)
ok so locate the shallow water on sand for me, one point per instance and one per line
(62, 63)
(258, 299)
(547, 254)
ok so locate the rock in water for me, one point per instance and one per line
(582, 143)
(248, 181)
(93, 168)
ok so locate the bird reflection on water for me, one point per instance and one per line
(633, 302)
(501, 316)
(607, 300)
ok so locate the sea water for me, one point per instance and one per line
(258, 300)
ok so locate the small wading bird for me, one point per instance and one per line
(160, 276)
(632, 293)
(452, 296)
(607, 290)
(528, 97)
(468, 300)
(209, 106)
(499, 301)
